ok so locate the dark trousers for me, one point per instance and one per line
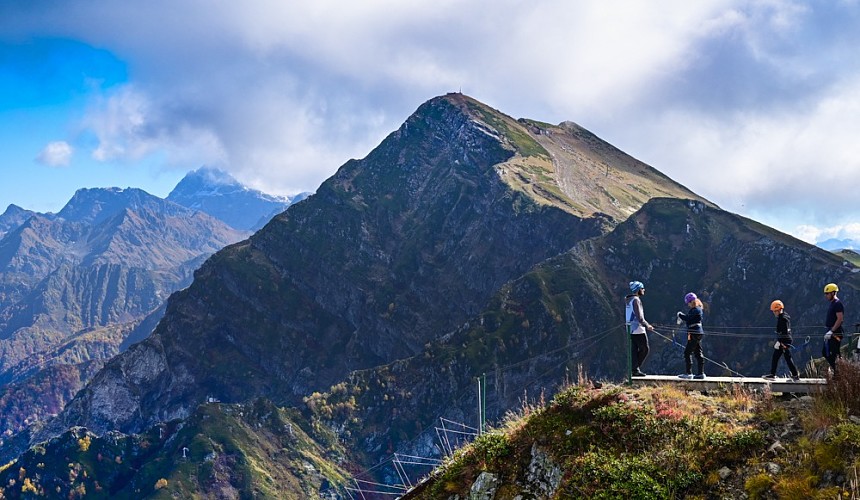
(830, 351)
(694, 349)
(786, 353)
(638, 349)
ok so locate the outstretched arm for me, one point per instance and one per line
(640, 315)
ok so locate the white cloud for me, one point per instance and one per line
(813, 234)
(56, 154)
(797, 158)
(750, 104)
(807, 233)
(128, 125)
(288, 92)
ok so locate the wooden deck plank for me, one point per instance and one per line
(804, 385)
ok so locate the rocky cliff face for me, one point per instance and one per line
(392, 252)
(30, 252)
(109, 257)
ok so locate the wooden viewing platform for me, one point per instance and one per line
(779, 384)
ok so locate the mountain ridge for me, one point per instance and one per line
(453, 248)
(424, 182)
(110, 257)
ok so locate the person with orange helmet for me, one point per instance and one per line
(833, 322)
(782, 347)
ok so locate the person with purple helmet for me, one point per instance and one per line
(695, 332)
(638, 327)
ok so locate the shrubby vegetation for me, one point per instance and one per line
(662, 442)
(254, 450)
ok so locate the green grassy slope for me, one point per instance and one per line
(849, 256)
(662, 442)
(255, 450)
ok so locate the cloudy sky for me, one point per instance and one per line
(754, 105)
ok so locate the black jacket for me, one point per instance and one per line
(783, 328)
(693, 318)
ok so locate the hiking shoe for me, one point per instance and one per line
(686, 376)
(699, 376)
(769, 376)
(639, 373)
(795, 377)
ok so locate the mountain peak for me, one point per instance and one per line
(466, 242)
(94, 205)
(564, 165)
(13, 210)
(220, 195)
(12, 218)
(394, 250)
(465, 102)
(207, 180)
(511, 133)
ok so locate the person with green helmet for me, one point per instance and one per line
(833, 321)
(782, 347)
(635, 318)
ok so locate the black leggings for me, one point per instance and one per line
(831, 348)
(638, 349)
(783, 352)
(694, 349)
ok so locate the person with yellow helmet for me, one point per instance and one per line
(782, 347)
(833, 322)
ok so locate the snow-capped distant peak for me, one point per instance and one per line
(219, 194)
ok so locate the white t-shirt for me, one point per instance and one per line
(634, 305)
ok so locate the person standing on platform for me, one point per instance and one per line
(638, 327)
(782, 347)
(695, 332)
(833, 322)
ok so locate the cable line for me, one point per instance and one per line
(553, 351)
(721, 365)
(446, 447)
(577, 355)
